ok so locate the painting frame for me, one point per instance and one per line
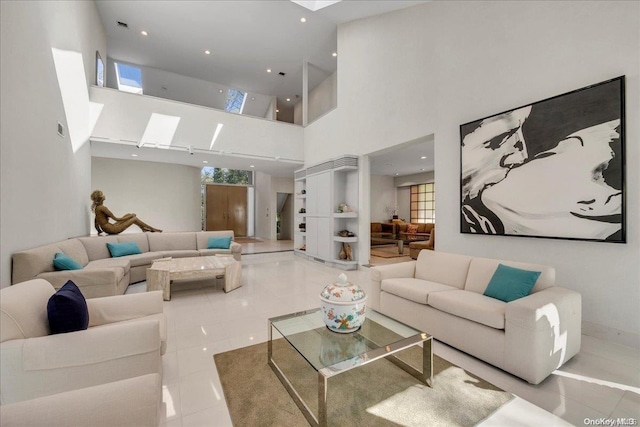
(553, 168)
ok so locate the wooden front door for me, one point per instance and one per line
(226, 208)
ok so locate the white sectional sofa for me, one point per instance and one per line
(103, 275)
(442, 294)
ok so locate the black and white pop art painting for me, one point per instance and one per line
(553, 168)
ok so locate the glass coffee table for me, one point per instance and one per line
(301, 341)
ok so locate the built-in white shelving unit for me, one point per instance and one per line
(326, 186)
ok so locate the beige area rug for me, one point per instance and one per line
(378, 394)
(390, 251)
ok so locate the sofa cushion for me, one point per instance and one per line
(509, 283)
(65, 262)
(219, 242)
(96, 246)
(481, 270)
(139, 238)
(123, 249)
(145, 258)
(415, 290)
(75, 250)
(161, 242)
(445, 268)
(67, 310)
(30, 263)
(470, 305)
(180, 253)
(122, 264)
(202, 237)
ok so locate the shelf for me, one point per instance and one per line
(346, 215)
(345, 239)
(301, 196)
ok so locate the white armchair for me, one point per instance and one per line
(134, 402)
(125, 339)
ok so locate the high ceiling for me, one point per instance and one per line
(245, 38)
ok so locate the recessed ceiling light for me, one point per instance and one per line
(268, 70)
(253, 98)
(422, 169)
(205, 161)
(277, 111)
(220, 91)
(397, 174)
(207, 52)
(303, 19)
(251, 166)
(144, 33)
(334, 54)
(288, 99)
(134, 155)
(423, 157)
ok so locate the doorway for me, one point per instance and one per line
(226, 208)
(284, 216)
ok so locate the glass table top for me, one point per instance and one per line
(323, 348)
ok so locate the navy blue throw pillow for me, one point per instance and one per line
(67, 310)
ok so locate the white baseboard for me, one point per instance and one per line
(613, 335)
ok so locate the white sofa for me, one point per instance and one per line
(442, 294)
(126, 337)
(132, 402)
(103, 275)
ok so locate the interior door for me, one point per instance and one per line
(237, 210)
(216, 207)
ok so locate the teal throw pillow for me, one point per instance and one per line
(65, 262)
(219, 242)
(124, 248)
(509, 283)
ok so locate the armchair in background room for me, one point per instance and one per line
(416, 247)
(125, 339)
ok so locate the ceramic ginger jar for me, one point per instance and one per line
(343, 305)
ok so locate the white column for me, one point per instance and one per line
(305, 93)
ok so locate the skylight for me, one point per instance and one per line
(235, 101)
(129, 78)
(314, 5)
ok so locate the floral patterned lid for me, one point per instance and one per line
(342, 291)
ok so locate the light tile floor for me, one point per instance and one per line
(603, 381)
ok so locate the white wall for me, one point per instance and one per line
(267, 189)
(165, 84)
(164, 196)
(429, 68)
(322, 99)
(264, 212)
(44, 185)
(383, 195)
(125, 117)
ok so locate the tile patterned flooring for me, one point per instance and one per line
(603, 381)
